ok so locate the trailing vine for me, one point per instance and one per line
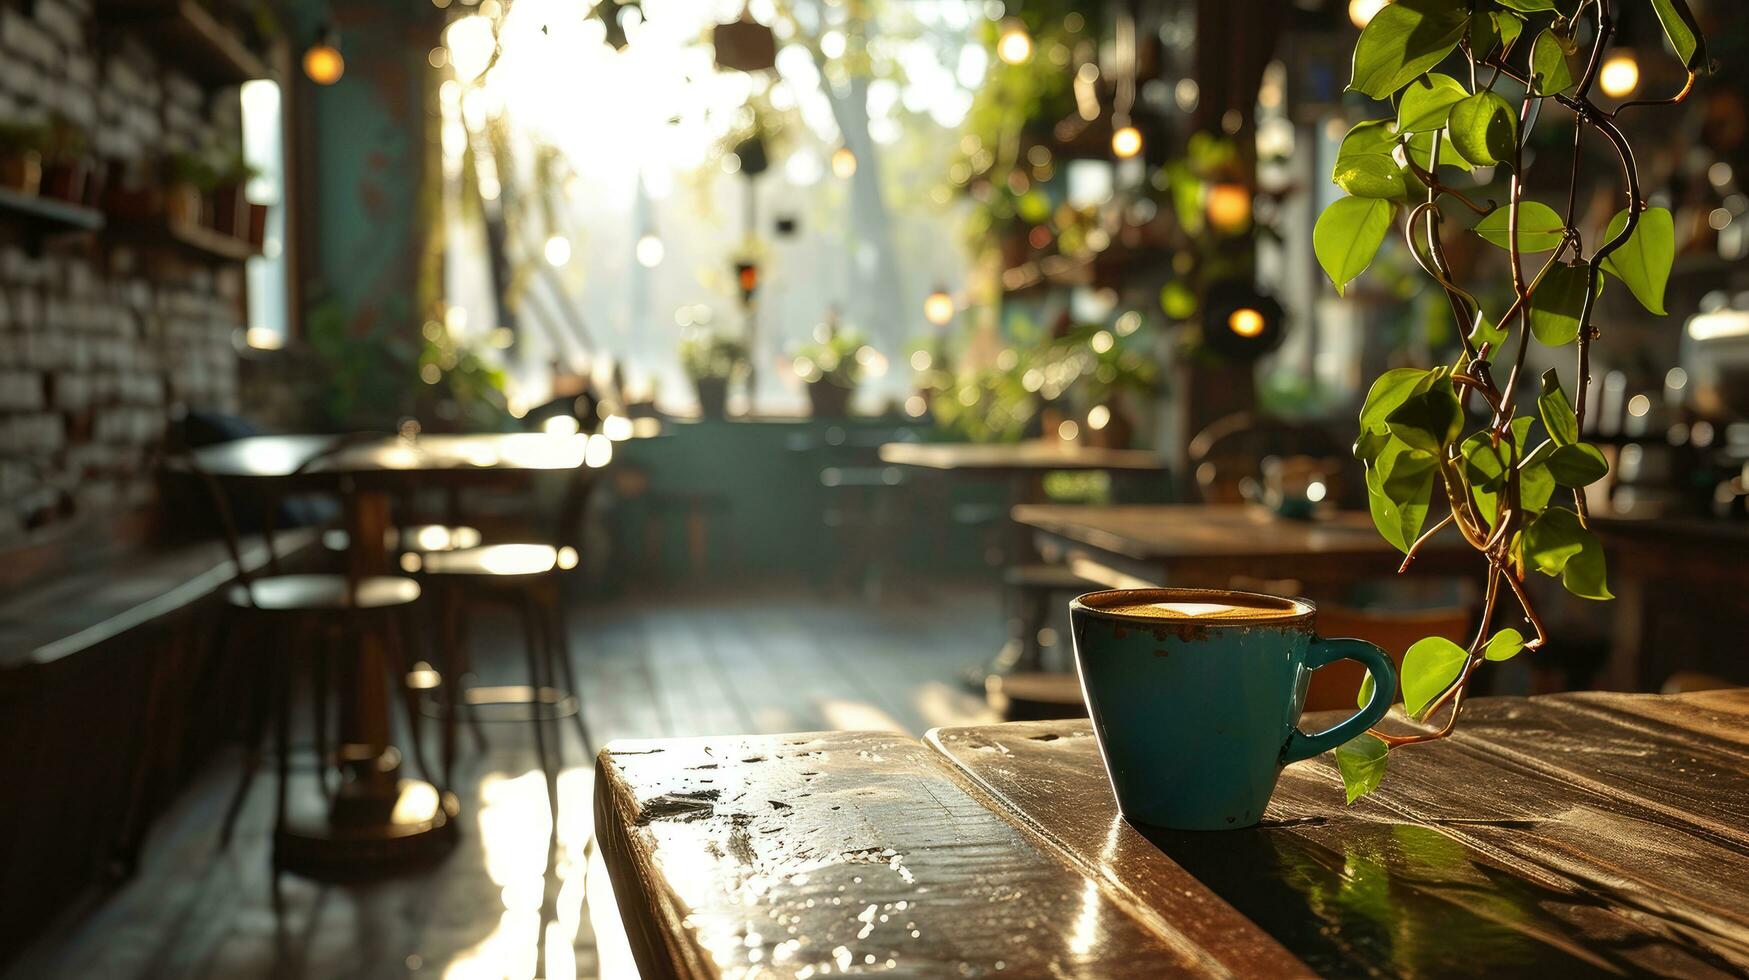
(1521, 506)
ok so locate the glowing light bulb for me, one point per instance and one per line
(1620, 75)
(1126, 142)
(1246, 322)
(323, 63)
(1014, 46)
(650, 250)
(1229, 207)
(938, 307)
(557, 250)
(1361, 12)
(843, 163)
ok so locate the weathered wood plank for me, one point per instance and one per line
(1464, 861)
(769, 855)
(1040, 774)
(1570, 805)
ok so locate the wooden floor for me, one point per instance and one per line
(504, 904)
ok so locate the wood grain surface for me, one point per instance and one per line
(1577, 834)
(1568, 835)
(829, 853)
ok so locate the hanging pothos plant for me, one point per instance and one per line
(1514, 493)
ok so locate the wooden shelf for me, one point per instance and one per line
(213, 243)
(196, 239)
(47, 213)
(191, 39)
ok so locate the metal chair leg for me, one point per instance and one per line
(561, 651)
(260, 703)
(319, 654)
(398, 665)
(532, 634)
(282, 740)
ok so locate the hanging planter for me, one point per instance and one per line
(745, 44)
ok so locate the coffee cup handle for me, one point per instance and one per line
(1384, 690)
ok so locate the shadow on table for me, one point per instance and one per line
(1370, 898)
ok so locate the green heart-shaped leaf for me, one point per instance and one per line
(1399, 485)
(1369, 444)
(1643, 262)
(1430, 666)
(1556, 304)
(1536, 485)
(1556, 543)
(1347, 236)
(1371, 136)
(1428, 421)
(1539, 227)
(1485, 465)
(1577, 465)
(1484, 129)
(1684, 33)
(1504, 645)
(1500, 27)
(1557, 411)
(1427, 102)
(1403, 40)
(1369, 175)
(1362, 764)
(1529, 6)
(1550, 71)
(1486, 331)
(1390, 391)
(1420, 148)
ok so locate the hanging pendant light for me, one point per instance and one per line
(323, 63)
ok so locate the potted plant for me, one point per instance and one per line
(189, 180)
(21, 162)
(132, 191)
(231, 209)
(1513, 484)
(64, 164)
(713, 361)
(830, 368)
(1105, 365)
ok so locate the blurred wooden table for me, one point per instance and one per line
(1557, 836)
(1022, 458)
(387, 819)
(1208, 545)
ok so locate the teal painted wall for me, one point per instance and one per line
(363, 151)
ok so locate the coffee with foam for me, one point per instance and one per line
(1192, 606)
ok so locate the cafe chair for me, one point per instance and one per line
(1036, 695)
(863, 524)
(1334, 688)
(276, 619)
(1226, 457)
(526, 578)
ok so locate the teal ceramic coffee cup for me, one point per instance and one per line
(1195, 697)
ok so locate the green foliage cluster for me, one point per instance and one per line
(831, 357)
(705, 354)
(1514, 490)
(19, 137)
(1087, 365)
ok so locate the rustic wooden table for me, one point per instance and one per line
(401, 819)
(1211, 544)
(1018, 458)
(1556, 836)
(1022, 467)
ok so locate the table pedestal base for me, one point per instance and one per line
(362, 836)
